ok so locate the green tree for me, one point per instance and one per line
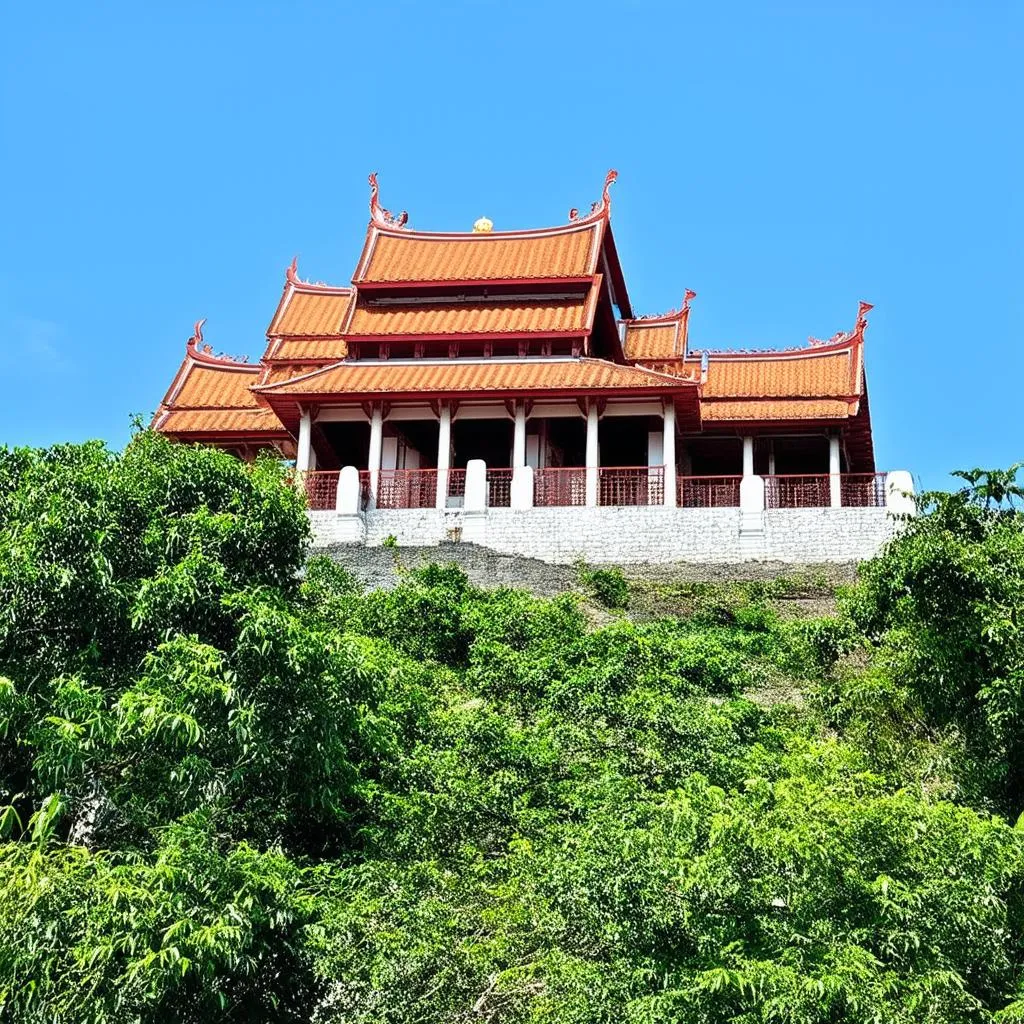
(240, 789)
(946, 605)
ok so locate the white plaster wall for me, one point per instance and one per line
(624, 535)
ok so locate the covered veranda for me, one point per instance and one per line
(585, 452)
(588, 452)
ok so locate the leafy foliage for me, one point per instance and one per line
(238, 788)
(946, 605)
(607, 584)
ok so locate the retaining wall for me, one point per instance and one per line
(625, 535)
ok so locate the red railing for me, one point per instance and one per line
(321, 487)
(499, 488)
(407, 488)
(631, 485)
(561, 485)
(709, 491)
(862, 490)
(795, 491)
(456, 483)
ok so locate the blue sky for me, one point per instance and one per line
(163, 162)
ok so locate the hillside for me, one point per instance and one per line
(240, 786)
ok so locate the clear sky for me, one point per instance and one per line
(164, 161)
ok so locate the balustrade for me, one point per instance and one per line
(406, 488)
(560, 486)
(321, 488)
(631, 485)
(862, 490)
(709, 491)
(499, 488)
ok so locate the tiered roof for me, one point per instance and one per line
(411, 288)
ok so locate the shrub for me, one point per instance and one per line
(608, 585)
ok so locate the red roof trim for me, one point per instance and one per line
(478, 282)
(205, 357)
(291, 275)
(843, 340)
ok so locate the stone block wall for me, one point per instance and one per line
(624, 535)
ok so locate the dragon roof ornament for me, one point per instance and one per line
(602, 208)
(203, 352)
(381, 216)
(291, 276)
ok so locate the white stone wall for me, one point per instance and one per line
(826, 534)
(626, 534)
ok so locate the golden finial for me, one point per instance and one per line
(483, 225)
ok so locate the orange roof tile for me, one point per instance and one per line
(207, 387)
(211, 421)
(460, 377)
(306, 348)
(797, 409)
(311, 311)
(654, 341)
(390, 256)
(274, 373)
(805, 374)
(491, 317)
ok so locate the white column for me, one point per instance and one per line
(593, 458)
(302, 456)
(444, 453)
(748, 456)
(519, 437)
(668, 447)
(834, 488)
(376, 446)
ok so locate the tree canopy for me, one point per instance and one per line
(236, 787)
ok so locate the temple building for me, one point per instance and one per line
(467, 372)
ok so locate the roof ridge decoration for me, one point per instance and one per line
(820, 345)
(203, 353)
(380, 215)
(600, 209)
(857, 334)
(291, 276)
(672, 314)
